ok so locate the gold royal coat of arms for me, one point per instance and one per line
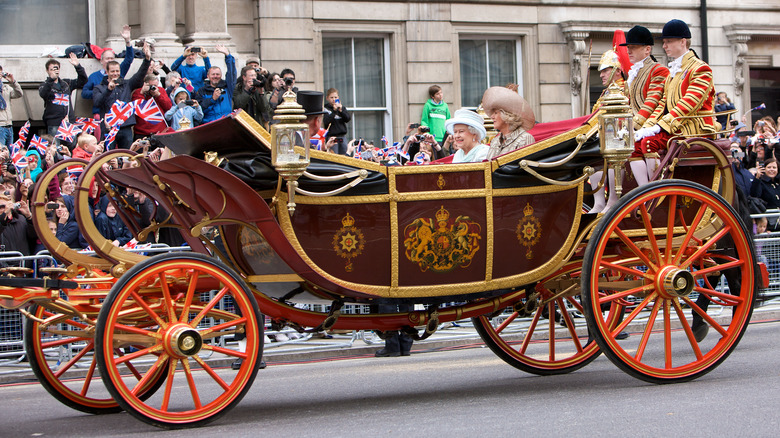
(443, 246)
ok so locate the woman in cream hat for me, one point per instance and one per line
(512, 117)
(467, 129)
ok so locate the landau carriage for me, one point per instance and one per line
(548, 286)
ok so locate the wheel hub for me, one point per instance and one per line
(183, 341)
(672, 282)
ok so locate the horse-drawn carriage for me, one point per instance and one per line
(505, 242)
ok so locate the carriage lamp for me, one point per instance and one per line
(290, 151)
(616, 132)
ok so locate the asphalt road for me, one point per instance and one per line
(460, 392)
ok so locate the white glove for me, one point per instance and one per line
(646, 132)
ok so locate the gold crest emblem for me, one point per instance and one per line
(529, 230)
(348, 242)
(443, 246)
(440, 182)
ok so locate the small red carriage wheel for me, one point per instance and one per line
(660, 246)
(62, 357)
(542, 334)
(174, 311)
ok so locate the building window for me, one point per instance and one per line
(358, 68)
(486, 63)
(22, 22)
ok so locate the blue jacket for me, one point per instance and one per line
(216, 109)
(173, 115)
(195, 73)
(112, 228)
(96, 78)
(68, 233)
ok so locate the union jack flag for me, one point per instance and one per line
(39, 143)
(87, 125)
(419, 158)
(111, 136)
(318, 140)
(400, 150)
(24, 131)
(385, 141)
(119, 113)
(19, 159)
(61, 99)
(66, 131)
(75, 170)
(149, 111)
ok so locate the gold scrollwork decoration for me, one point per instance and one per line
(529, 230)
(443, 246)
(348, 242)
(440, 182)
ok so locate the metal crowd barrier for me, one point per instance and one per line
(768, 251)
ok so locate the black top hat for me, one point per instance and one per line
(311, 101)
(639, 36)
(676, 29)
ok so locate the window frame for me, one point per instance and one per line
(35, 50)
(487, 38)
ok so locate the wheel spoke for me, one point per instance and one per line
(667, 335)
(726, 299)
(140, 301)
(506, 322)
(716, 268)
(223, 326)
(670, 228)
(640, 351)
(650, 234)
(191, 382)
(634, 313)
(688, 331)
(705, 247)
(191, 286)
(211, 372)
(551, 337)
(226, 351)
(714, 324)
(570, 326)
(73, 360)
(530, 333)
(167, 300)
(150, 373)
(213, 302)
(688, 235)
(168, 385)
(88, 378)
(62, 341)
(626, 293)
(136, 354)
(136, 330)
(624, 269)
(635, 249)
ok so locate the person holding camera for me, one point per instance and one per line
(151, 89)
(115, 88)
(16, 228)
(187, 67)
(249, 96)
(335, 120)
(216, 96)
(286, 81)
(184, 108)
(723, 103)
(55, 93)
(11, 90)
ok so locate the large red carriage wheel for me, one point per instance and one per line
(542, 338)
(62, 357)
(707, 240)
(172, 309)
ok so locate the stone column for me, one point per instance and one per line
(739, 47)
(206, 24)
(579, 90)
(116, 17)
(158, 21)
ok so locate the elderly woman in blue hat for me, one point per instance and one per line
(467, 129)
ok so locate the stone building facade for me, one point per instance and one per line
(383, 55)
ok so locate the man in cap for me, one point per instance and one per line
(512, 117)
(645, 89)
(688, 91)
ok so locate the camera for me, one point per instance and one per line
(414, 125)
(419, 137)
(258, 84)
(5, 75)
(52, 205)
(734, 122)
(737, 154)
(424, 129)
(17, 205)
(189, 102)
(195, 50)
(288, 82)
(152, 89)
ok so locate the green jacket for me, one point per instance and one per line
(433, 116)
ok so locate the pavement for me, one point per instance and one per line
(353, 345)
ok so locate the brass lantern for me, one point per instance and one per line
(616, 131)
(290, 144)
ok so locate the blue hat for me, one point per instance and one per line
(639, 36)
(676, 29)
